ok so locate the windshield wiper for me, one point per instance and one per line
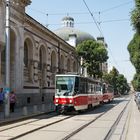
(66, 93)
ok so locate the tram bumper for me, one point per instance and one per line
(63, 108)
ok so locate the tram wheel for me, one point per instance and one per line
(89, 106)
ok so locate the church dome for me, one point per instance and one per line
(68, 29)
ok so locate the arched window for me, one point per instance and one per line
(61, 64)
(53, 62)
(68, 65)
(25, 54)
(74, 67)
(40, 59)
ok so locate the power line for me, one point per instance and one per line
(112, 8)
(57, 14)
(100, 31)
(90, 22)
(93, 18)
(113, 58)
(80, 13)
(91, 13)
(115, 20)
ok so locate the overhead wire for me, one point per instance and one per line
(81, 13)
(112, 8)
(99, 31)
(90, 22)
(93, 18)
(91, 13)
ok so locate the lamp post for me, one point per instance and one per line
(7, 58)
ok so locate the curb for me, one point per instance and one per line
(22, 118)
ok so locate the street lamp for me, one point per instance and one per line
(7, 69)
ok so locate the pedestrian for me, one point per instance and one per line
(13, 100)
(1, 99)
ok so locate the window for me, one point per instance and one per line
(83, 85)
(25, 54)
(89, 87)
(40, 60)
(76, 89)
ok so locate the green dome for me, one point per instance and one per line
(64, 33)
(68, 29)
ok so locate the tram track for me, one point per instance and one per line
(38, 128)
(110, 132)
(49, 124)
(81, 128)
(114, 126)
(31, 131)
(26, 121)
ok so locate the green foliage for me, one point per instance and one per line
(136, 82)
(93, 53)
(135, 16)
(118, 81)
(134, 51)
(121, 83)
(134, 45)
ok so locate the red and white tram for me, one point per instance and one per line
(74, 92)
(108, 93)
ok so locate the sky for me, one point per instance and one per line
(111, 16)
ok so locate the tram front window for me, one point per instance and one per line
(64, 85)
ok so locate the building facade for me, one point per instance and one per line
(36, 55)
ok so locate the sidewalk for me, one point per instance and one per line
(133, 130)
(25, 112)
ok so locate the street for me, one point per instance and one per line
(109, 121)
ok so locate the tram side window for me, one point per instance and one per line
(110, 89)
(104, 88)
(98, 89)
(95, 88)
(92, 88)
(89, 88)
(82, 87)
(76, 88)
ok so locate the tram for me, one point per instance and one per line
(108, 93)
(74, 92)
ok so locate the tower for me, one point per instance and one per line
(68, 21)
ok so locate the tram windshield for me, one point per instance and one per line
(64, 85)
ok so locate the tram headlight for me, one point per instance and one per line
(56, 100)
(70, 101)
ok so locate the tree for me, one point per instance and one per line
(134, 51)
(136, 82)
(118, 81)
(93, 53)
(113, 75)
(121, 83)
(134, 45)
(135, 16)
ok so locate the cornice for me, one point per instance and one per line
(22, 2)
(33, 23)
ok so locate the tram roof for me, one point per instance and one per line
(78, 75)
(68, 74)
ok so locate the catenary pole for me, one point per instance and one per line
(7, 56)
